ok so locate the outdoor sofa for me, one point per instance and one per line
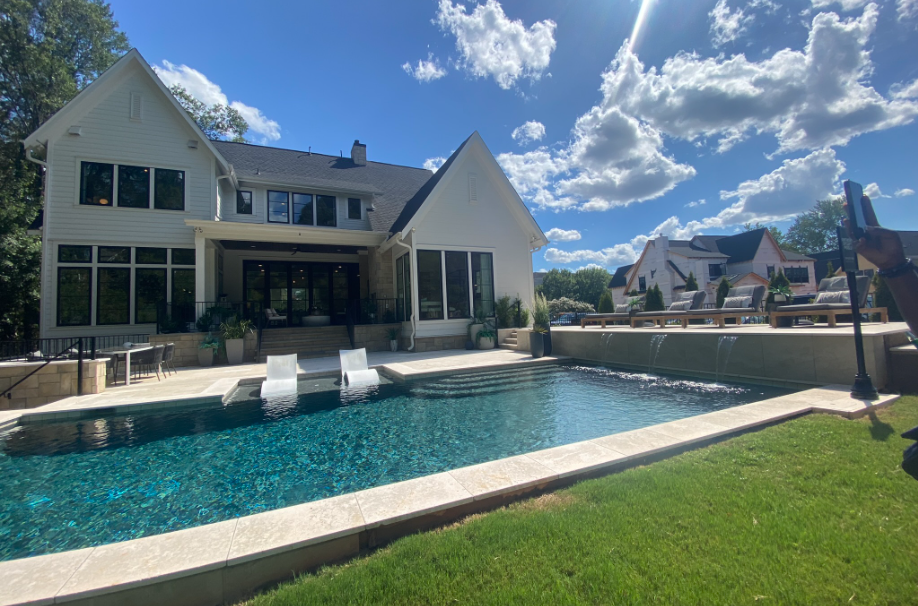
(622, 314)
(693, 299)
(832, 299)
(740, 302)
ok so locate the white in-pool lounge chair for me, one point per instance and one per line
(354, 369)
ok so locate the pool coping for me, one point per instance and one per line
(227, 561)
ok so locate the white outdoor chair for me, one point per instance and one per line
(273, 316)
(354, 370)
(281, 378)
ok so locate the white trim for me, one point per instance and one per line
(280, 232)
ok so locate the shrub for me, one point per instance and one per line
(524, 318)
(559, 306)
(605, 303)
(654, 299)
(540, 314)
(505, 312)
(691, 284)
(722, 289)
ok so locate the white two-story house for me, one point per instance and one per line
(147, 224)
(745, 259)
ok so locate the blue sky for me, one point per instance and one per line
(616, 120)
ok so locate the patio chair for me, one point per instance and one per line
(832, 299)
(168, 357)
(273, 316)
(354, 369)
(150, 360)
(740, 302)
(622, 314)
(693, 299)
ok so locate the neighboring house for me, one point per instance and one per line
(865, 267)
(145, 217)
(537, 277)
(618, 283)
(744, 259)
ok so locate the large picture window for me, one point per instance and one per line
(151, 256)
(114, 254)
(483, 283)
(797, 275)
(113, 300)
(97, 183)
(149, 293)
(183, 256)
(457, 284)
(326, 211)
(74, 296)
(74, 254)
(182, 287)
(302, 209)
(134, 186)
(278, 207)
(169, 190)
(430, 285)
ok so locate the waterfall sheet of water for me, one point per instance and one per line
(656, 342)
(724, 347)
(605, 347)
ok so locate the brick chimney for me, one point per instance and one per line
(359, 153)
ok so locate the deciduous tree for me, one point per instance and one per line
(218, 121)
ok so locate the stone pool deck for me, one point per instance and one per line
(224, 562)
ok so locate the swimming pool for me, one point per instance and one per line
(66, 485)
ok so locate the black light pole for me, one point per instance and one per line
(863, 388)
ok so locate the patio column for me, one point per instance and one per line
(200, 252)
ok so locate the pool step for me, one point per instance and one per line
(510, 341)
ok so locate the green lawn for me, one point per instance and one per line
(812, 511)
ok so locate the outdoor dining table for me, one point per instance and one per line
(127, 351)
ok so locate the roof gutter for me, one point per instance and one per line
(414, 280)
(32, 158)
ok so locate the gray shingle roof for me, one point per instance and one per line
(619, 278)
(392, 186)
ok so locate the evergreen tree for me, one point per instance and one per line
(830, 269)
(691, 284)
(778, 281)
(654, 299)
(722, 289)
(605, 303)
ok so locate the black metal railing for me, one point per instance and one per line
(38, 350)
(205, 316)
(570, 318)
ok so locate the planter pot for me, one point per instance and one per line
(206, 356)
(537, 344)
(547, 339)
(485, 343)
(470, 344)
(393, 344)
(473, 331)
(235, 349)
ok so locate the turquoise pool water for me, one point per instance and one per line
(80, 483)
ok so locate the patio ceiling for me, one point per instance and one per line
(287, 234)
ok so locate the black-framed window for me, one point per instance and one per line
(97, 181)
(113, 296)
(430, 285)
(457, 284)
(169, 189)
(149, 293)
(797, 275)
(74, 296)
(716, 270)
(354, 209)
(302, 209)
(243, 203)
(114, 254)
(326, 211)
(67, 253)
(182, 287)
(642, 284)
(483, 283)
(770, 270)
(133, 186)
(151, 256)
(278, 207)
(183, 256)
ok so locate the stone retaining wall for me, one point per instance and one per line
(187, 345)
(56, 381)
(375, 337)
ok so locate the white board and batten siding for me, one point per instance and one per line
(158, 139)
(455, 220)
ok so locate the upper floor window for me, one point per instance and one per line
(797, 275)
(308, 209)
(97, 183)
(326, 215)
(716, 270)
(243, 203)
(134, 186)
(354, 209)
(770, 270)
(169, 189)
(278, 207)
(302, 209)
(642, 284)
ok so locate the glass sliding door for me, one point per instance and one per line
(299, 292)
(320, 289)
(483, 283)
(278, 287)
(341, 287)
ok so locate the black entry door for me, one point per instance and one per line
(296, 289)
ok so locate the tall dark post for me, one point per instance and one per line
(80, 367)
(863, 388)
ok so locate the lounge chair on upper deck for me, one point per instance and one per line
(740, 302)
(693, 299)
(832, 299)
(622, 314)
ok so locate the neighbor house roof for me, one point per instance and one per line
(391, 186)
(620, 278)
(821, 268)
(678, 271)
(738, 248)
(734, 278)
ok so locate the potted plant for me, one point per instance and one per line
(486, 338)
(540, 338)
(393, 338)
(634, 305)
(206, 350)
(475, 326)
(234, 331)
(779, 293)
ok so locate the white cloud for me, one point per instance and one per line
(873, 191)
(907, 9)
(556, 234)
(528, 132)
(696, 203)
(490, 44)
(200, 87)
(901, 193)
(531, 172)
(434, 163)
(905, 91)
(620, 254)
(808, 99)
(846, 5)
(727, 25)
(426, 71)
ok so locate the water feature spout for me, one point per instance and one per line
(656, 342)
(605, 347)
(724, 343)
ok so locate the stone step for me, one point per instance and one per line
(510, 340)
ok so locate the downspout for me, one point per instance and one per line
(32, 158)
(398, 242)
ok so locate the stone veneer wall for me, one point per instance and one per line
(435, 343)
(187, 345)
(56, 381)
(374, 337)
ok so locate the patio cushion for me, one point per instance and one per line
(757, 293)
(714, 312)
(833, 296)
(606, 316)
(737, 302)
(622, 308)
(680, 305)
(808, 307)
(648, 314)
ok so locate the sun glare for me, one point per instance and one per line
(639, 23)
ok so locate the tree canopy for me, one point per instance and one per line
(585, 284)
(218, 121)
(815, 230)
(49, 51)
